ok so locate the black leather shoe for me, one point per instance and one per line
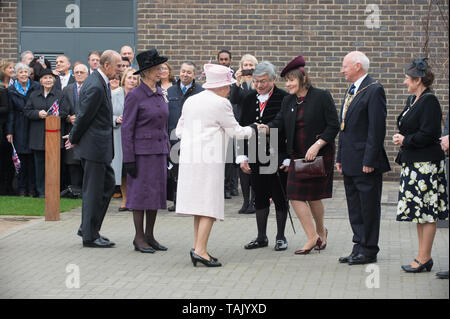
(123, 209)
(257, 244)
(157, 246)
(361, 259)
(148, 250)
(208, 263)
(98, 243)
(79, 233)
(251, 209)
(442, 274)
(193, 250)
(344, 260)
(227, 195)
(172, 208)
(243, 208)
(281, 244)
(428, 265)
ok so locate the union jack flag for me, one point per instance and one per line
(15, 159)
(54, 109)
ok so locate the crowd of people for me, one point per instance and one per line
(138, 130)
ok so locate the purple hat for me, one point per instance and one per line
(297, 63)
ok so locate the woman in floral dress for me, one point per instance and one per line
(422, 194)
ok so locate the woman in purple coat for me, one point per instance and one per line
(145, 145)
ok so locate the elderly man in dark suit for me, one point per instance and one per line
(361, 156)
(69, 103)
(92, 135)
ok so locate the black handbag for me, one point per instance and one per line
(309, 169)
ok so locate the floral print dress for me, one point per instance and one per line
(422, 194)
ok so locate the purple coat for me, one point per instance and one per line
(145, 141)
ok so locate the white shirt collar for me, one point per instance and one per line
(103, 76)
(64, 80)
(358, 82)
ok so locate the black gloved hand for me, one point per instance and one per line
(131, 169)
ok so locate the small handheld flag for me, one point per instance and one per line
(15, 159)
(54, 109)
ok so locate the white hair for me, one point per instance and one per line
(359, 57)
(20, 66)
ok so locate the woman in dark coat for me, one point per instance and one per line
(17, 127)
(37, 109)
(145, 147)
(309, 119)
(422, 196)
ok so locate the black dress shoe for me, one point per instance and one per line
(257, 244)
(227, 195)
(157, 246)
(148, 250)
(345, 259)
(193, 250)
(98, 243)
(442, 274)
(243, 208)
(251, 209)
(281, 244)
(123, 209)
(79, 233)
(208, 263)
(361, 259)
(172, 208)
(428, 265)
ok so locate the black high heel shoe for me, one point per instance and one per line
(214, 258)
(318, 246)
(149, 250)
(208, 263)
(428, 265)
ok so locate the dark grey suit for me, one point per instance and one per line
(361, 143)
(92, 133)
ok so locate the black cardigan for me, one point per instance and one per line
(421, 127)
(319, 114)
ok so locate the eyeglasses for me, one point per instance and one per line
(263, 82)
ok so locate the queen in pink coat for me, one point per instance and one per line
(205, 125)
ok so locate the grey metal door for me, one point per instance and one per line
(76, 27)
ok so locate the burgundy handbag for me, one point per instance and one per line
(312, 169)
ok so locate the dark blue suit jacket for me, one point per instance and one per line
(93, 127)
(362, 141)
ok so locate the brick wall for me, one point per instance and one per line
(323, 31)
(8, 30)
(278, 30)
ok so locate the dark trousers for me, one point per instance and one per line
(231, 177)
(268, 186)
(364, 209)
(98, 187)
(76, 175)
(39, 166)
(26, 178)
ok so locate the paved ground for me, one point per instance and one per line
(44, 259)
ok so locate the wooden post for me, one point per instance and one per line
(52, 167)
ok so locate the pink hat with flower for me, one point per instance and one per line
(217, 76)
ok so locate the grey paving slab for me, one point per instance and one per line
(34, 260)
